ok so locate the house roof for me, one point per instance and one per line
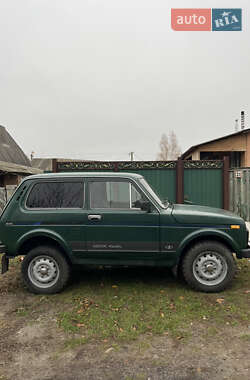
(10, 151)
(8, 167)
(194, 147)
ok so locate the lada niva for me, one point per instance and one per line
(57, 221)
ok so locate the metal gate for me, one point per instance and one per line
(203, 183)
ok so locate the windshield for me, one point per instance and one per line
(153, 194)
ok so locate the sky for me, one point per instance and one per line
(97, 79)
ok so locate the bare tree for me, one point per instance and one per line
(164, 148)
(169, 147)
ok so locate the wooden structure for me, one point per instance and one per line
(235, 146)
(14, 164)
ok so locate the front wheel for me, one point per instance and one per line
(45, 270)
(209, 267)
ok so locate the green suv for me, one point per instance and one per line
(61, 220)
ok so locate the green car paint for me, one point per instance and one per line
(156, 235)
(120, 234)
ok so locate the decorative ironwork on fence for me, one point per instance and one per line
(78, 166)
(203, 164)
(115, 165)
(135, 165)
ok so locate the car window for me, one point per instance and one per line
(108, 194)
(56, 195)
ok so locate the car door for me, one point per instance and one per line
(116, 226)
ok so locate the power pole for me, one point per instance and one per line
(131, 154)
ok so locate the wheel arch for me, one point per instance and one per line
(30, 241)
(219, 237)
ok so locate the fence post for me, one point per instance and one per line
(54, 165)
(226, 183)
(179, 181)
(116, 169)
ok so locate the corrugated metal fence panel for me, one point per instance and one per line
(239, 186)
(204, 187)
(162, 181)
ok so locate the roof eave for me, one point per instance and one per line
(194, 147)
(9, 167)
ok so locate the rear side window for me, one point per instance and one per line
(56, 195)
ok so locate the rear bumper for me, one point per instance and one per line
(5, 259)
(244, 253)
(5, 263)
(2, 248)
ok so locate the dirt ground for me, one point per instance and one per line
(32, 347)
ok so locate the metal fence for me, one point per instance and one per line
(6, 194)
(204, 185)
(239, 190)
(199, 182)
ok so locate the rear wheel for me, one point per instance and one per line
(209, 267)
(45, 270)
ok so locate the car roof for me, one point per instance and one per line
(83, 175)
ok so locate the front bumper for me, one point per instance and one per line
(244, 253)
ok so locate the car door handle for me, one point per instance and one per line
(94, 217)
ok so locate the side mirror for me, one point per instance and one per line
(143, 205)
(146, 206)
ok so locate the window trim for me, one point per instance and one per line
(55, 208)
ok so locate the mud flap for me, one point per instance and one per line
(5, 263)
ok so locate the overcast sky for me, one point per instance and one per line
(96, 79)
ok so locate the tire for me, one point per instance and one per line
(209, 267)
(45, 270)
